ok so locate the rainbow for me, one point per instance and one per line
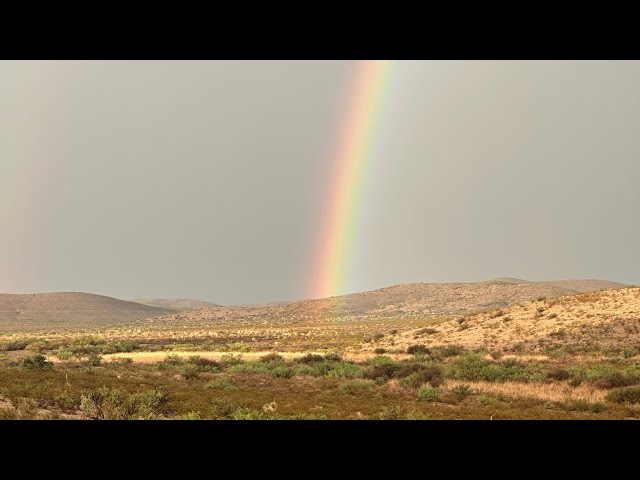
(347, 180)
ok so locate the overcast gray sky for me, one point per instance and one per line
(207, 179)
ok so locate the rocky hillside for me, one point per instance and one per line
(588, 321)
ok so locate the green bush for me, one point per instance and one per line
(417, 350)
(190, 371)
(94, 360)
(356, 385)
(120, 346)
(380, 373)
(624, 395)
(310, 358)
(67, 401)
(426, 374)
(220, 384)
(112, 404)
(473, 366)
(64, 354)
(340, 370)
(447, 351)
(461, 392)
(333, 357)
(37, 363)
(429, 394)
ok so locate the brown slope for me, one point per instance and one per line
(175, 303)
(586, 321)
(399, 301)
(70, 309)
(586, 285)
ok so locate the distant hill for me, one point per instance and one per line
(399, 301)
(66, 309)
(175, 303)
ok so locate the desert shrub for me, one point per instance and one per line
(192, 415)
(486, 400)
(557, 373)
(67, 401)
(380, 351)
(377, 337)
(574, 382)
(396, 412)
(230, 360)
(112, 404)
(472, 366)
(310, 358)
(13, 345)
(205, 364)
(220, 384)
(552, 316)
(302, 369)
(356, 385)
(393, 332)
(413, 377)
(417, 350)
(381, 372)
(333, 357)
(120, 346)
(37, 346)
(429, 394)
(592, 372)
(282, 371)
(614, 380)
(94, 359)
(270, 357)
(245, 413)
(461, 392)
(37, 363)
(223, 409)
(190, 371)
(380, 360)
(64, 354)
(172, 361)
(624, 395)
(447, 351)
(340, 370)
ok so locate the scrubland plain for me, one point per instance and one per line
(503, 349)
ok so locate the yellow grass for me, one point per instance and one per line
(552, 392)
(154, 357)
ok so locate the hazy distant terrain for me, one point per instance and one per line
(416, 300)
(68, 309)
(175, 303)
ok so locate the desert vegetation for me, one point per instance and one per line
(568, 357)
